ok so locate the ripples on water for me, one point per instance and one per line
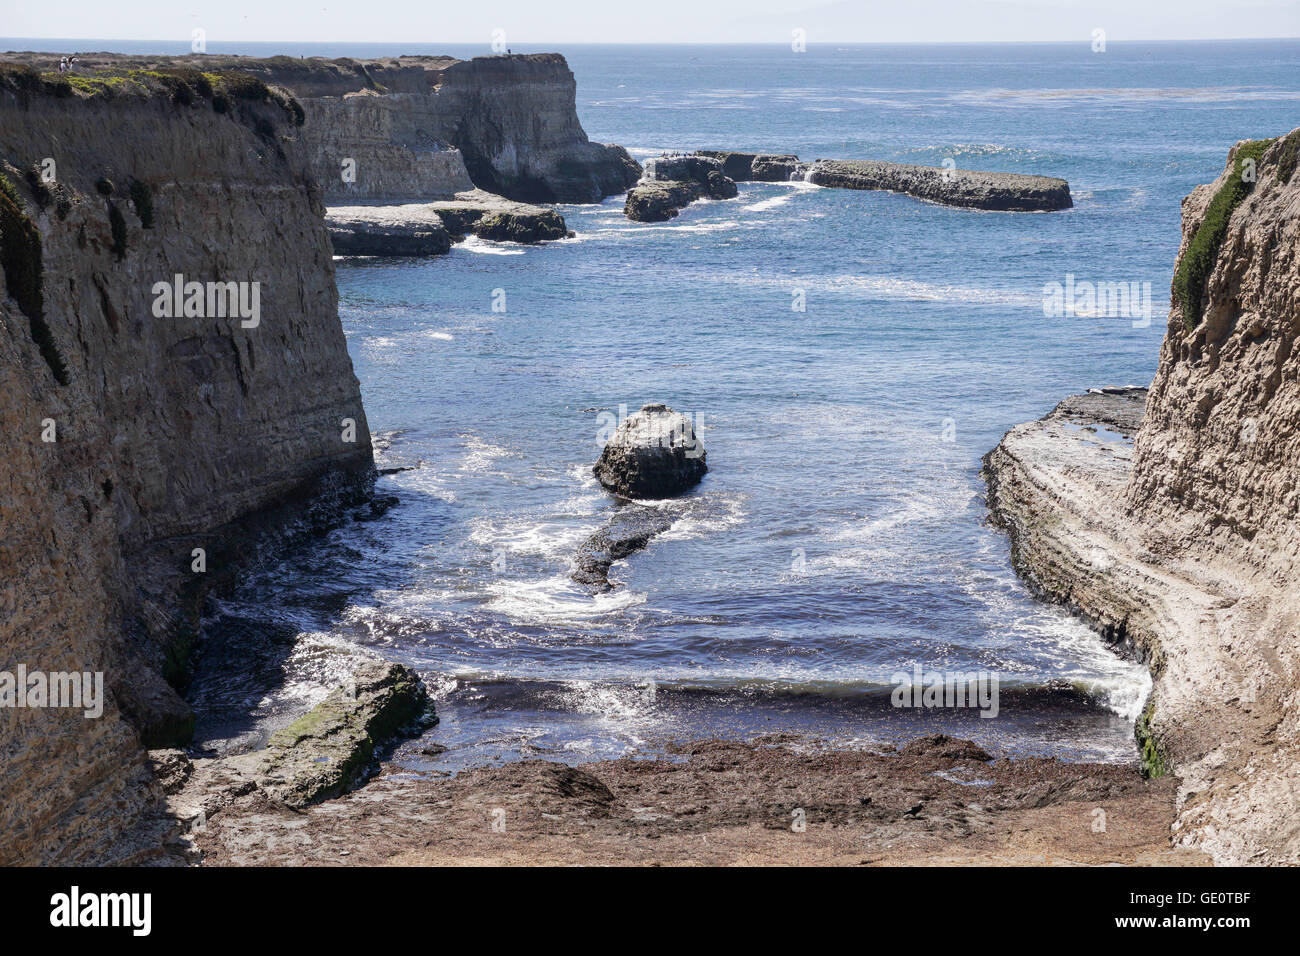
(840, 536)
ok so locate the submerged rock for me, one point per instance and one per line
(655, 453)
(628, 531)
(327, 750)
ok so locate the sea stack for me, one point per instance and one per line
(655, 453)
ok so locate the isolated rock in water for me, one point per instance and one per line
(655, 453)
(628, 531)
(529, 227)
(659, 202)
(1015, 192)
(327, 750)
(429, 229)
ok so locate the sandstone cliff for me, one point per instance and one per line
(1186, 544)
(420, 128)
(130, 438)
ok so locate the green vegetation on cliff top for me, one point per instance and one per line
(1198, 260)
(181, 85)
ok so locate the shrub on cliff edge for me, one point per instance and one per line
(1198, 261)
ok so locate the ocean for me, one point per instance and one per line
(841, 535)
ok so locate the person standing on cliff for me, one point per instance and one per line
(63, 64)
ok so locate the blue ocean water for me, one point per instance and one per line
(840, 536)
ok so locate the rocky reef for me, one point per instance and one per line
(145, 447)
(429, 229)
(1009, 192)
(674, 182)
(756, 167)
(1179, 539)
(630, 530)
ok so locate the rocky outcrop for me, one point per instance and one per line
(409, 230)
(659, 202)
(755, 167)
(326, 751)
(134, 432)
(429, 229)
(1184, 544)
(520, 226)
(654, 453)
(673, 182)
(950, 187)
(1011, 192)
(628, 531)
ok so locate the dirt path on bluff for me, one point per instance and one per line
(937, 801)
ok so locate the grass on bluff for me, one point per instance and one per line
(183, 85)
(1198, 261)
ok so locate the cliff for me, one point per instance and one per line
(132, 436)
(1183, 544)
(420, 128)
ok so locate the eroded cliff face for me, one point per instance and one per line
(516, 121)
(421, 128)
(1185, 545)
(130, 438)
(1219, 455)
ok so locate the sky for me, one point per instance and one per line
(532, 22)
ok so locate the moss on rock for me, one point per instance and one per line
(1153, 759)
(327, 750)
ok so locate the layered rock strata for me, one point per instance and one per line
(421, 128)
(1184, 545)
(428, 229)
(151, 431)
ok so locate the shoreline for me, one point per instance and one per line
(1058, 486)
(935, 801)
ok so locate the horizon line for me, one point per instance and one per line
(664, 43)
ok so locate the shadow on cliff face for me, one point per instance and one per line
(274, 643)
